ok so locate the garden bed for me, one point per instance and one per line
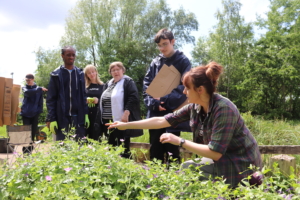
(70, 171)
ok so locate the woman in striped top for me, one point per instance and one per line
(120, 102)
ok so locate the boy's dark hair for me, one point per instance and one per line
(163, 34)
(67, 47)
(29, 76)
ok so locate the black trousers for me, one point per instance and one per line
(164, 152)
(90, 132)
(72, 123)
(33, 121)
(117, 137)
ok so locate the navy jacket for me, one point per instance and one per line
(56, 101)
(33, 101)
(176, 97)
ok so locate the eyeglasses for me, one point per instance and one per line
(162, 46)
(115, 70)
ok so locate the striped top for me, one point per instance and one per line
(224, 131)
(106, 102)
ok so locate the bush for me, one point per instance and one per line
(96, 171)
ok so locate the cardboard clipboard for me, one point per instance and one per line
(9, 101)
(164, 82)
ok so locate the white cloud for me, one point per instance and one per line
(25, 26)
(4, 20)
(251, 8)
(17, 49)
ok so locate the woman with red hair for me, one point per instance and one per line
(220, 136)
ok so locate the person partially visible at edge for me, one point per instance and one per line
(32, 106)
(120, 102)
(159, 107)
(94, 89)
(66, 98)
(220, 135)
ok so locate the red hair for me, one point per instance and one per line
(206, 76)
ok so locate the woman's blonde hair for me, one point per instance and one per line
(87, 79)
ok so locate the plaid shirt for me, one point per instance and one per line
(224, 131)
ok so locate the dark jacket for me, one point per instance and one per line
(33, 101)
(56, 101)
(131, 103)
(176, 97)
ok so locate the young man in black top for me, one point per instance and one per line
(158, 107)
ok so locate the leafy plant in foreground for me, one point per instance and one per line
(68, 170)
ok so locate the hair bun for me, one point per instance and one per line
(213, 71)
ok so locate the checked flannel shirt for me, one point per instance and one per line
(224, 131)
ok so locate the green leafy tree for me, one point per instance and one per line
(47, 61)
(201, 52)
(228, 44)
(272, 71)
(104, 31)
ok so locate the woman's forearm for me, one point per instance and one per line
(201, 150)
(151, 123)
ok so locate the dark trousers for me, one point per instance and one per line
(90, 132)
(117, 137)
(33, 121)
(72, 123)
(164, 152)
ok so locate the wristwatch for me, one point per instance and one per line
(181, 142)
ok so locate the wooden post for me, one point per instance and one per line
(285, 162)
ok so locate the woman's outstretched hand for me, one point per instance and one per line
(118, 125)
(170, 138)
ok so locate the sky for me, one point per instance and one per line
(26, 25)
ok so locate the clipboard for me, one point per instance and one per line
(164, 82)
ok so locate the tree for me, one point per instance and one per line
(47, 61)
(273, 71)
(228, 44)
(201, 52)
(104, 31)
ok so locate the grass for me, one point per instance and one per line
(3, 131)
(4, 134)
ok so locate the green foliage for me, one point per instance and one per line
(104, 31)
(47, 60)
(3, 131)
(272, 72)
(68, 170)
(228, 44)
(273, 132)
